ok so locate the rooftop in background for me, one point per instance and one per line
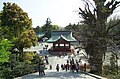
(66, 35)
(41, 34)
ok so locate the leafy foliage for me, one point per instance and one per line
(48, 28)
(28, 57)
(27, 39)
(115, 31)
(13, 20)
(15, 26)
(5, 46)
(36, 59)
(37, 30)
(19, 70)
(75, 29)
(15, 68)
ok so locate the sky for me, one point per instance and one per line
(61, 12)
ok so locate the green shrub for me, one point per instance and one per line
(19, 70)
(7, 73)
(110, 73)
(28, 56)
(116, 77)
(28, 61)
(23, 69)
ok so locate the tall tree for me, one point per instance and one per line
(37, 30)
(55, 28)
(48, 28)
(27, 39)
(96, 29)
(13, 20)
(75, 28)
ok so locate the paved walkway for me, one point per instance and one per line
(58, 75)
(53, 74)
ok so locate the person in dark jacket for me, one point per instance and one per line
(77, 67)
(57, 67)
(41, 69)
(50, 67)
(62, 66)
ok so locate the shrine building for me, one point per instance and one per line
(61, 41)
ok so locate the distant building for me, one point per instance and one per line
(61, 42)
(41, 37)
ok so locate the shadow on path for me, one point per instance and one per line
(55, 75)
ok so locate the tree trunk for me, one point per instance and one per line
(97, 63)
(96, 54)
(21, 53)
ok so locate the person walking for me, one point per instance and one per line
(50, 67)
(57, 67)
(84, 66)
(41, 69)
(62, 66)
(46, 59)
(66, 67)
(77, 67)
(67, 61)
(60, 54)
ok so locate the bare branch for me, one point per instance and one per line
(115, 5)
(109, 3)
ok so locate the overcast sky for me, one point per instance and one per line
(61, 12)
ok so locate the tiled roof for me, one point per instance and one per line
(41, 34)
(66, 35)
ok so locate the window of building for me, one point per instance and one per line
(61, 45)
(56, 44)
(66, 44)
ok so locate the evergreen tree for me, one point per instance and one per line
(13, 20)
(96, 31)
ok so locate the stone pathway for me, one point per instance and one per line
(57, 75)
(53, 74)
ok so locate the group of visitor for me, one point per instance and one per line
(70, 65)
